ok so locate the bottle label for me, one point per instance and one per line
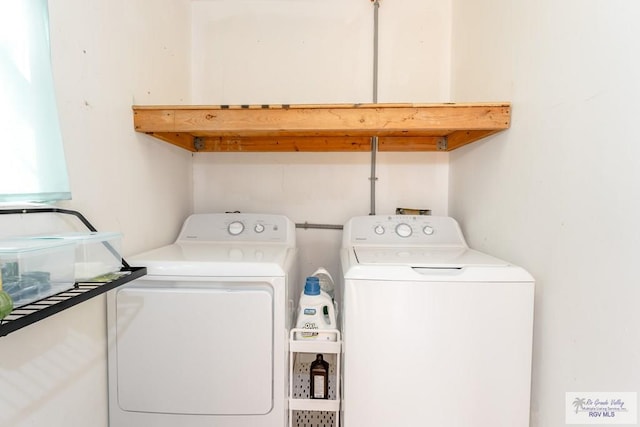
(318, 387)
(309, 325)
(309, 311)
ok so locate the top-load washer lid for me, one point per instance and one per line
(415, 264)
(226, 244)
(424, 257)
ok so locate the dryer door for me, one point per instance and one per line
(195, 348)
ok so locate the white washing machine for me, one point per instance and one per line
(202, 340)
(435, 333)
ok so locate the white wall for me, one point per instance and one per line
(558, 192)
(318, 188)
(281, 51)
(107, 55)
(308, 51)
(414, 51)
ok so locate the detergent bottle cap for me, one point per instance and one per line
(312, 286)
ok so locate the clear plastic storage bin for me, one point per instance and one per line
(36, 269)
(96, 253)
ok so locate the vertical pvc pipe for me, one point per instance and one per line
(373, 178)
(374, 140)
(376, 7)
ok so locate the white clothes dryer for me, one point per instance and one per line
(202, 340)
(434, 333)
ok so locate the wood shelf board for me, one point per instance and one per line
(340, 127)
(285, 143)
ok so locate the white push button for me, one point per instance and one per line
(428, 230)
(259, 228)
(379, 230)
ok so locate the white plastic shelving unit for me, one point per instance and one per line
(304, 411)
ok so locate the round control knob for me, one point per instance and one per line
(259, 228)
(403, 230)
(379, 230)
(428, 230)
(235, 228)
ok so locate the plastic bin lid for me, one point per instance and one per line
(77, 236)
(12, 246)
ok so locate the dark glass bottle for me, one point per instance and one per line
(319, 378)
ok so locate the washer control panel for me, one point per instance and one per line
(229, 227)
(403, 230)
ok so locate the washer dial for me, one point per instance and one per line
(235, 228)
(403, 230)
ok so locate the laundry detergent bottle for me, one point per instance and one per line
(315, 313)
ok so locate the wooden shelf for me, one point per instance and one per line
(340, 127)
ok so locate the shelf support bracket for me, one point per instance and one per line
(198, 143)
(443, 144)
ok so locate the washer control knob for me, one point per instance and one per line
(235, 228)
(379, 230)
(403, 230)
(259, 228)
(428, 230)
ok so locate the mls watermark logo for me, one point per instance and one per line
(601, 408)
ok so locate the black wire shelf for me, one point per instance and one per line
(82, 291)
